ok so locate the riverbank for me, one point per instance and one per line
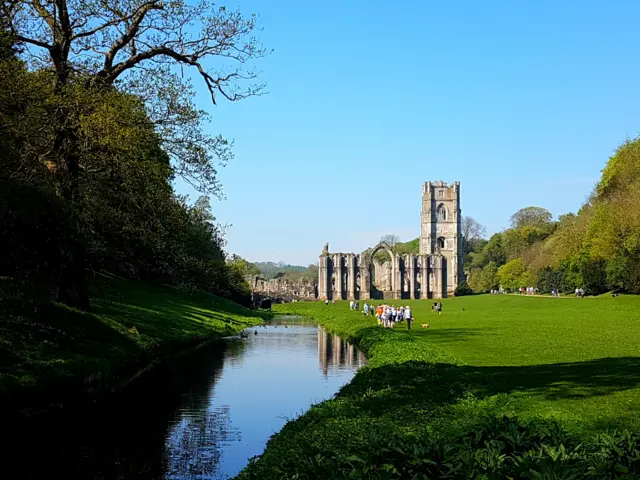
(491, 388)
(52, 355)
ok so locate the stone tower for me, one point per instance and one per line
(441, 235)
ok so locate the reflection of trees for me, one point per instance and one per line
(194, 445)
(335, 354)
(128, 436)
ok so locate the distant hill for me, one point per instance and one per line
(412, 246)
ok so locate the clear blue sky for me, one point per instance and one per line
(523, 102)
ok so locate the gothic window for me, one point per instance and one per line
(440, 243)
(441, 212)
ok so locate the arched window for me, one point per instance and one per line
(441, 212)
(441, 243)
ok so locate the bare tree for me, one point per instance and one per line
(390, 239)
(140, 47)
(472, 229)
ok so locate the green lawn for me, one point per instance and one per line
(572, 362)
(50, 350)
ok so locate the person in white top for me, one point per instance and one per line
(407, 316)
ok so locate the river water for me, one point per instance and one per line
(201, 416)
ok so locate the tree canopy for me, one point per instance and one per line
(96, 120)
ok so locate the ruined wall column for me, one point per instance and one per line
(395, 277)
(322, 277)
(351, 286)
(424, 277)
(337, 268)
(410, 265)
(365, 279)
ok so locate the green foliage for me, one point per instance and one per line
(499, 386)
(125, 218)
(594, 275)
(485, 279)
(553, 278)
(463, 289)
(512, 275)
(495, 250)
(412, 246)
(530, 217)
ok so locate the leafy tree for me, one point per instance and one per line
(594, 275)
(462, 289)
(530, 216)
(485, 279)
(495, 251)
(88, 47)
(512, 275)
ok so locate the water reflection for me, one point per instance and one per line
(202, 416)
(335, 354)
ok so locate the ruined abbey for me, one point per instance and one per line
(434, 273)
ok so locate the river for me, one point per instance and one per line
(200, 416)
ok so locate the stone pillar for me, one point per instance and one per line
(337, 268)
(365, 279)
(395, 277)
(424, 277)
(410, 265)
(351, 268)
(322, 277)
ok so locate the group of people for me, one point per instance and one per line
(389, 315)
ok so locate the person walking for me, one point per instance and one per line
(439, 308)
(407, 316)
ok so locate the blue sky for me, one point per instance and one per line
(522, 102)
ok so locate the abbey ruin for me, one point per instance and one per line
(434, 273)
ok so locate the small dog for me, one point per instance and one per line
(425, 325)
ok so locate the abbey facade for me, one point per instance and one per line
(434, 273)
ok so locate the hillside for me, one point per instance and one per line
(52, 348)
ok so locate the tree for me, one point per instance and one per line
(530, 216)
(485, 279)
(90, 47)
(512, 275)
(391, 240)
(495, 250)
(472, 229)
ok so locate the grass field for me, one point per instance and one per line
(50, 351)
(570, 363)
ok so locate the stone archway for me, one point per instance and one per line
(382, 276)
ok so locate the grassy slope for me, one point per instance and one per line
(572, 360)
(61, 351)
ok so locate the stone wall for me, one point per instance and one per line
(280, 287)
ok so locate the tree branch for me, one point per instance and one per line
(32, 41)
(212, 83)
(111, 23)
(136, 19)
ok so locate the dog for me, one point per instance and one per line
(425, 325)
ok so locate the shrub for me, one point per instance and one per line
(463, 289)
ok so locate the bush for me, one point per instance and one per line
(497, 448)
(463, 289)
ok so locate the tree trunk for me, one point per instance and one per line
(73, 287)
